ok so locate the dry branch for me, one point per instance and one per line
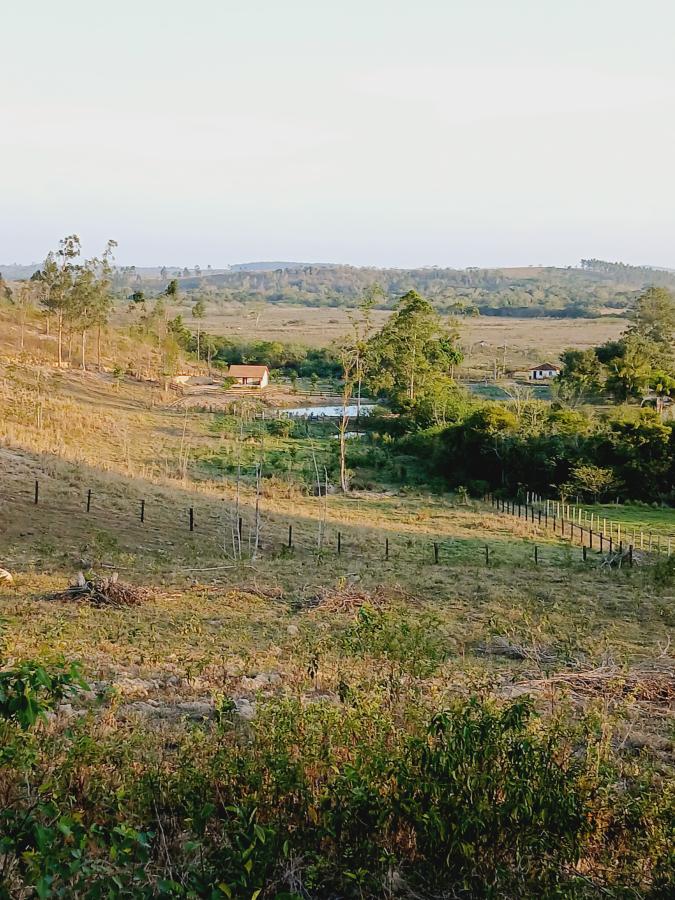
(102, 592)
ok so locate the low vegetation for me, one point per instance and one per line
(256, 657)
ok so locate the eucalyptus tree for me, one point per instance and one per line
(58, 277)
(198, 313)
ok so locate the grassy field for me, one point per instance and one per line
(528, 341)
(636, 518)
(231, 708)
(521, 343)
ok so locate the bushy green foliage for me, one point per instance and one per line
(30, 689)
(483, 799)
(411, 645)
(542, 451)
(642, 359)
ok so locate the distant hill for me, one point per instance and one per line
(593, 288)
(585, 291)
(18, 271)
(273, 266)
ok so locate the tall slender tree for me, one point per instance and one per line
(198, 313)
(58, 274)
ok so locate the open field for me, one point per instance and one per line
(638, 518)
(125, 447)
(228, 710)
(528, 341)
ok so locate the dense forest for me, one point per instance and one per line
(530, 291)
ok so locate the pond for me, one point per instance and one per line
(327, 412)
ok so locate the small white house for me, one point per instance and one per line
(250, 376)
(544, 371)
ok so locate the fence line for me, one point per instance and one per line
(237, 533)
(566, 520)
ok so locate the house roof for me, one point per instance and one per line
(545, 366)
(247, 371)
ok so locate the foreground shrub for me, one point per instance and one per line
(326, 800)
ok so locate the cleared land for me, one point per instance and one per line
(528, 341)
(246, 683)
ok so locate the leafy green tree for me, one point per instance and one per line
(654, 317)
(58, 276)
(590, 482)
(92, 299)
(629, 372)
(353, 355)
(582, 374)
(172, 289)
(640, 453)
(412, 354)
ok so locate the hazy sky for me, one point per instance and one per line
(385, 132)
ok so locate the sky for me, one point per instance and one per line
(371, 132)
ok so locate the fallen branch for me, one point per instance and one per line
(102, 592)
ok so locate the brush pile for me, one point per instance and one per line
(102, 592)
(500, 646)
(651, 684)
(351, 598)
(621, 557)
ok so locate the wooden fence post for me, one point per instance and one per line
(192, 519)
(487, 555)
(386, 548)
(37, 491)
(339, 543)
(142, 510)
(290, 536)
(435, 553)
(88, 499)
(536, 555)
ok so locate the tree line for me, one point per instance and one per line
(532, 291)
(74, 293)
(566, 446)
(640, 365)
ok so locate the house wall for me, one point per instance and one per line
(248, 381)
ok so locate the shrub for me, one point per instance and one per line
(30, 690)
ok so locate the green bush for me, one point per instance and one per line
(29, 690)
(351, 799)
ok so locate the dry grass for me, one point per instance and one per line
(528, 341)
(215, 622)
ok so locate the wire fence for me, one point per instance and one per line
(237, 531)
(577, 525)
